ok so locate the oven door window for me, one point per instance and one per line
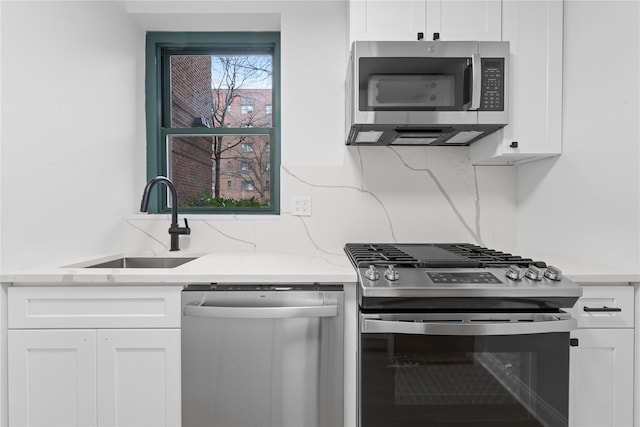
(415, 84)
(432, 380)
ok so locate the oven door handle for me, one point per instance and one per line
(467, 327)
(284, 312)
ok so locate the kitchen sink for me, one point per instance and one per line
(143, 262)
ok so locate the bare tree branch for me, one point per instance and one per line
(236, 77)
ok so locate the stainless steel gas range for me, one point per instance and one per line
(460, 335)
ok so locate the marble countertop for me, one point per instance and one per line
(243, 267)
(587, 272)
(207, 268)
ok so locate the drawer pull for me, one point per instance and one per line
(604, 309)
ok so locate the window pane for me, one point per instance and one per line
(225, 91)
(207, 167)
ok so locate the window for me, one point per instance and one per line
(197, 77)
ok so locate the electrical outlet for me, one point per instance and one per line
(301, 205)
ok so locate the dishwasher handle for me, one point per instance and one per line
(283, 312)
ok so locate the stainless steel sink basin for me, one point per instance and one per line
(143, 262)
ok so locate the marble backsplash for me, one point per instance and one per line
(378, 194)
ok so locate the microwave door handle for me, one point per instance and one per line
(467, 329)
(476, 83)
(197, 310)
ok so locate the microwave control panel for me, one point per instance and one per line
(492, 91)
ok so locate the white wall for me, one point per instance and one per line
(583, 208)
(70, 149)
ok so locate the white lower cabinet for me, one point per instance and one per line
(52, 378)
(602, 378)
(96, 376)
(602, 364)
(138, 377)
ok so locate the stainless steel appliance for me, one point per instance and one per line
(461, 335)
(426, 93)
(262, 355)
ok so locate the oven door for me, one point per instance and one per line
(464, 369)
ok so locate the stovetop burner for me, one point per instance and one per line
(433, 255)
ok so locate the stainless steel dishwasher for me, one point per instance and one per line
(257, 355)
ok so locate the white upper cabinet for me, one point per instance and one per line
(386, 19)
(403, 20)
(464, 20)
(534, 30)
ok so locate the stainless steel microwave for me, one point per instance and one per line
(426, 92)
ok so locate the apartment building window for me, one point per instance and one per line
(231, 80)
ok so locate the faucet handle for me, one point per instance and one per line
(180, 230)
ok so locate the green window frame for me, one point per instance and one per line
(159, 47)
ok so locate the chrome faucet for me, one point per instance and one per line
(174, 229)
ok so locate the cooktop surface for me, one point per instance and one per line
(433, 255)
(456, 270)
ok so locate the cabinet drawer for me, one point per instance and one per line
(94, 307)
(605, 307)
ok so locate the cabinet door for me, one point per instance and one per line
(52, 378)
(139, 377)
(601, 378)
(386, 19)
(534, 30)
(464, 20)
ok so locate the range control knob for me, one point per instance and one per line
(553, 273)
(372, 273)
(533, 273)
(391, 273)
(514, 272)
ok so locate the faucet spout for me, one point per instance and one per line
(174, 229)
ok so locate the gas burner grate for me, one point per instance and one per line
(489, 257)
(364, 255)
